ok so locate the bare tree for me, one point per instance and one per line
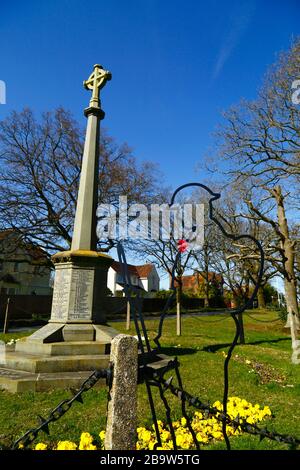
(40, 163)
(259, 143)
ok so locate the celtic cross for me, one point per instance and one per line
(96, 82)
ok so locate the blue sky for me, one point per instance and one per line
(175, 65)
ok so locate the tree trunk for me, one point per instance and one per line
(290, 290)
(290, 282)
(206, 292)
(206, 281)
(178, 306)
(261, 297)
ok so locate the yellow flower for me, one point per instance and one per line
(40, 446)
(218, 405)
(151, 445)
(165, 436)
(183, 421)
(179, 440)
(86, 442)
(90, 447)
(267, 411)
(218, 435)
(205, 429)
(66, 445)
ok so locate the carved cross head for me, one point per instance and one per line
(96, 82)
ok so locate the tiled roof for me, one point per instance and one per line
(194, 280)
(142, 271)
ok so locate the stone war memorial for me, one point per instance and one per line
(76, 340)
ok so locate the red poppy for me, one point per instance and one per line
(182, 245)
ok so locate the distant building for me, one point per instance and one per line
(143, 277)
(194, 283)
(23, 268)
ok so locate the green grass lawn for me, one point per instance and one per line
(269, 379)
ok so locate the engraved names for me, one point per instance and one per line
(82, 294)
(61, 291)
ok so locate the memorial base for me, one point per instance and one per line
(75, 342)
(80, 287)
(45, 360)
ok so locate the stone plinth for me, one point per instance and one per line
(80, 286)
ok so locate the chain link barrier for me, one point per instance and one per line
(263, 321)
(62, 408)
(236, 423)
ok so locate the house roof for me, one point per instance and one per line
(201, 276)
(193, 280)
(32, 250)
(142, 271)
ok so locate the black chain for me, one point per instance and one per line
(209, 321)
(62, 408)
(263, 321)
(237, 422)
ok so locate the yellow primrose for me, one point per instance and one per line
(41, 446)
(86, 442)
(183, 421)
(66, 445)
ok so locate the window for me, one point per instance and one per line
(16, 267)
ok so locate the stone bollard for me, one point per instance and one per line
(122, 405)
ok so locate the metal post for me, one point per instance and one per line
(5, 327)
(122, 404)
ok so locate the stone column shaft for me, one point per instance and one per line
(84, 235)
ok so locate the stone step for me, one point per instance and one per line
(66, 348)
(16, 381)
(33, 363)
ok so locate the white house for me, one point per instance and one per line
(144, 277)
